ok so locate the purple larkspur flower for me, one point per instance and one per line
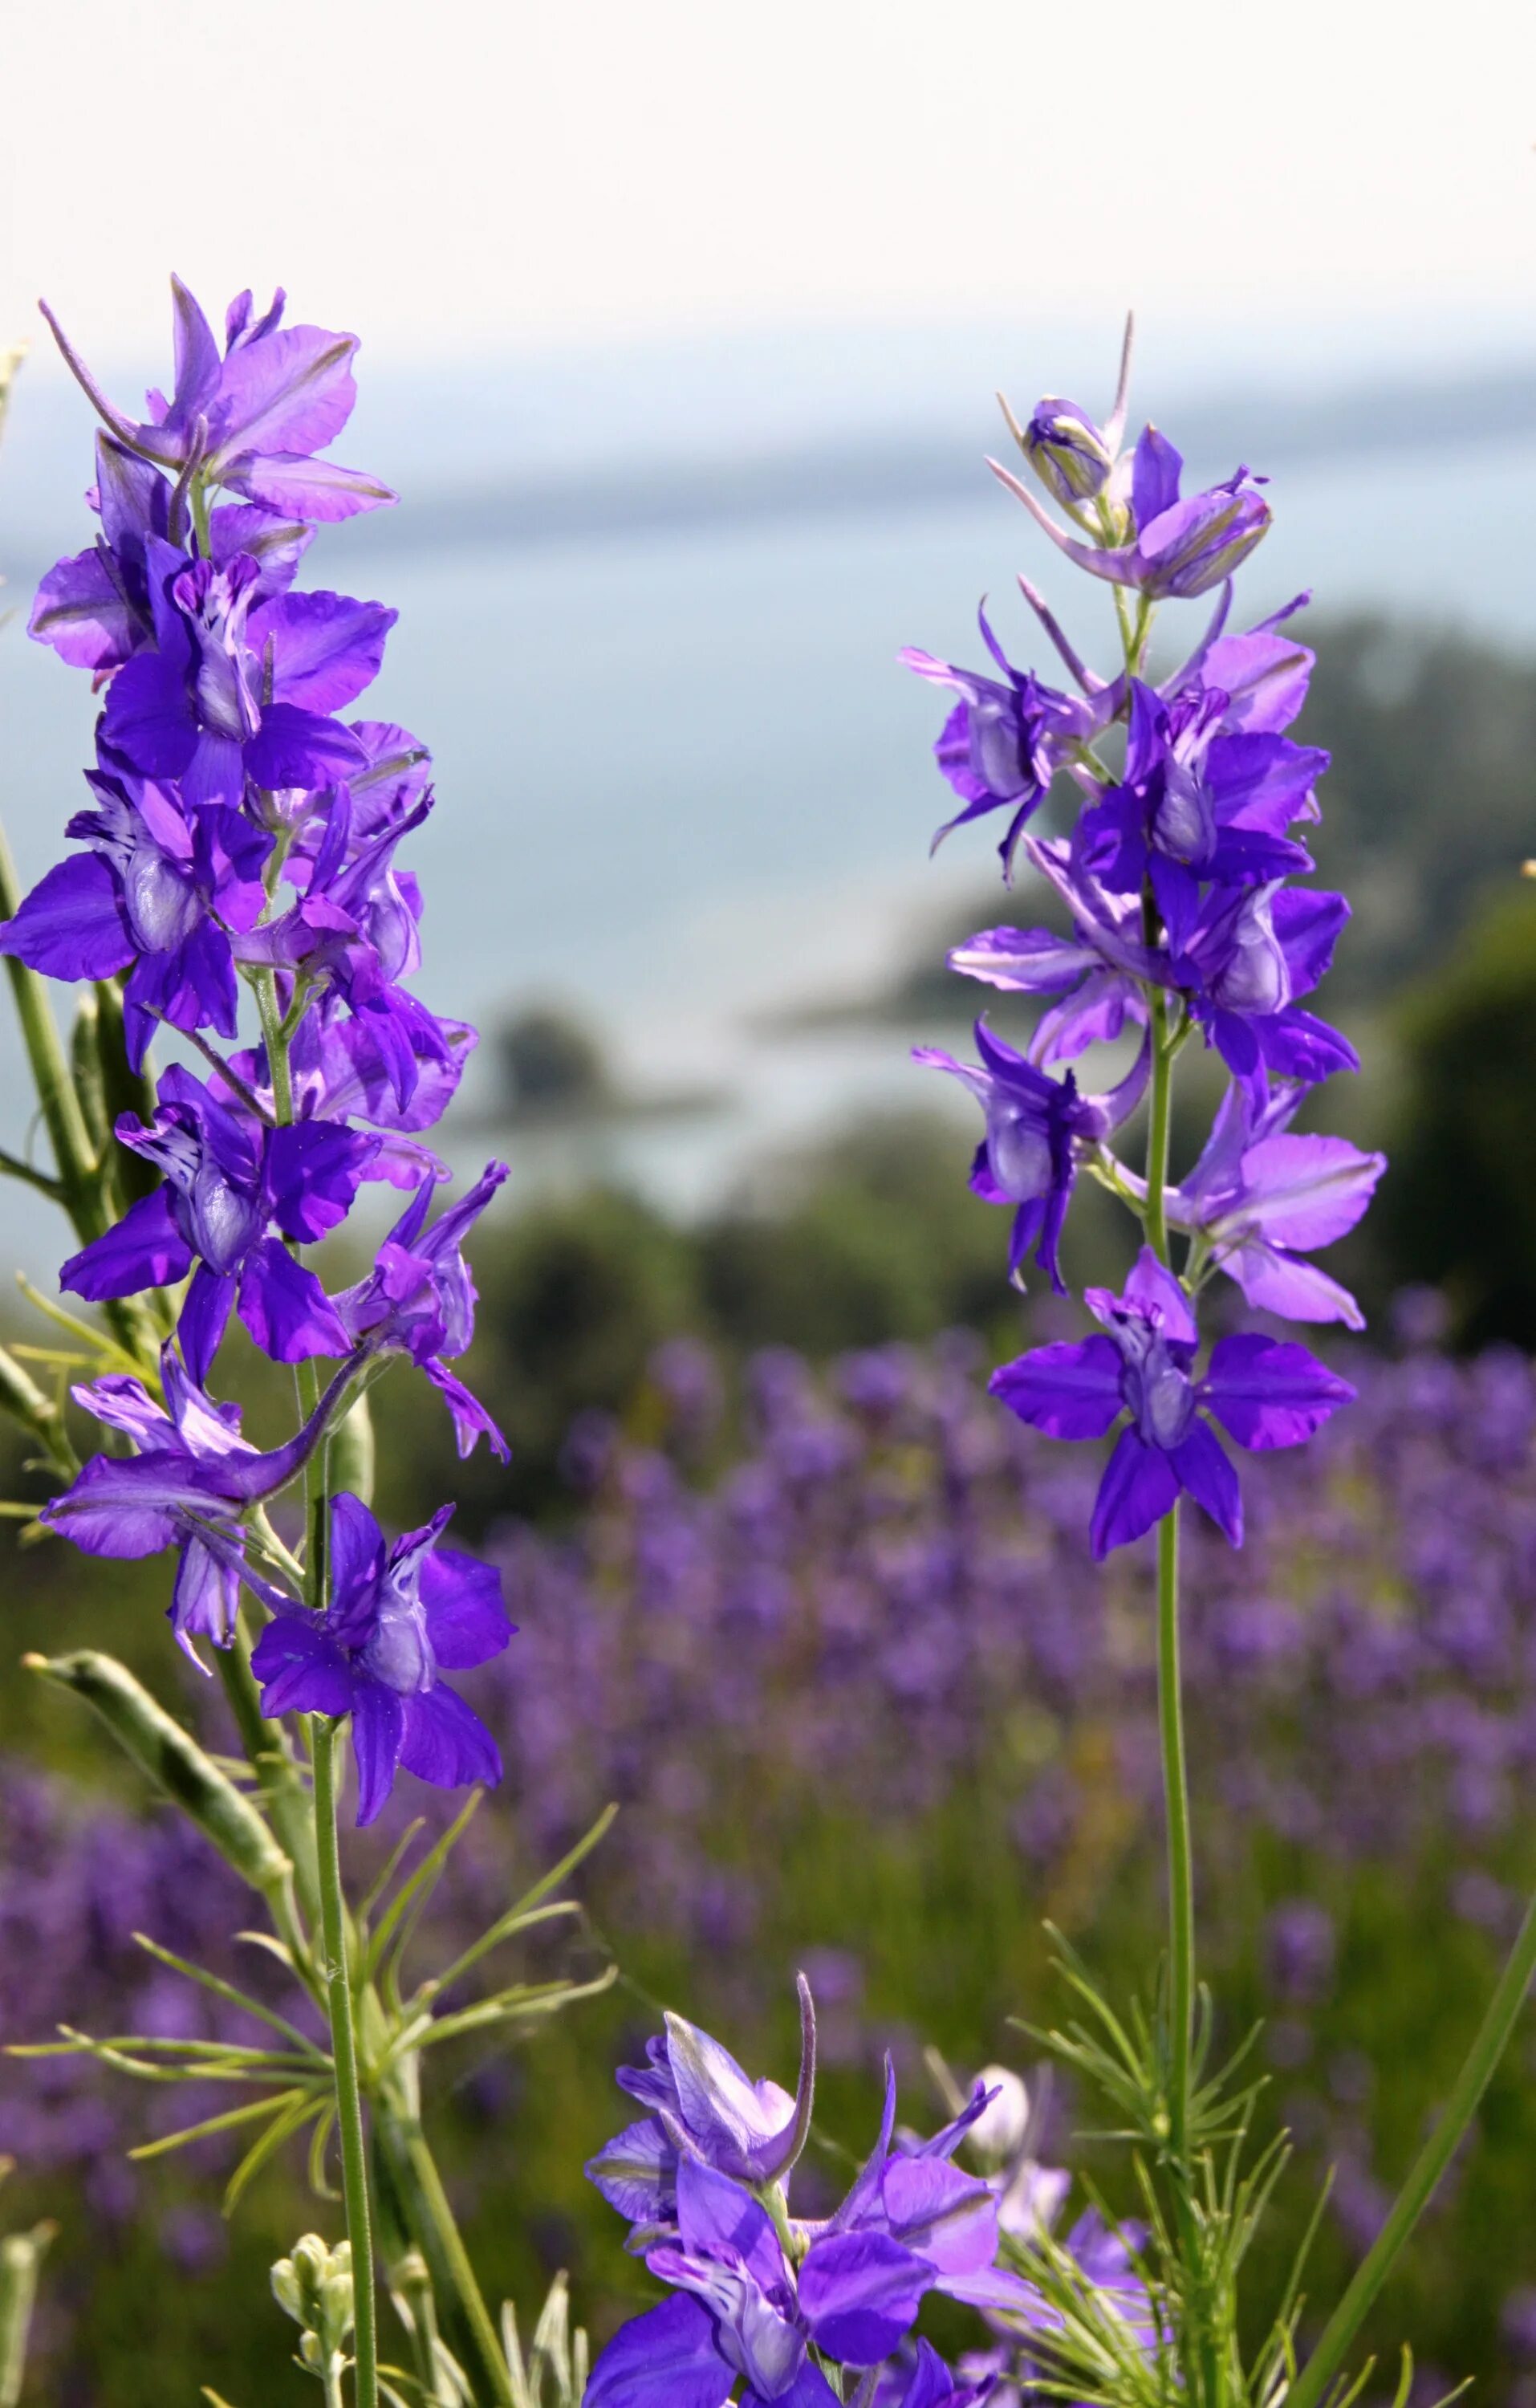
(1035, 1127)
(1176, 548)
(354, 928)
(94, 608)
(1198, 803)
(419, 1299)
(1264, 1393)
(156, 896)
(228, 1182)
(399, 1617)
(253, 418)
(239, 684)
(1260, 1199)
(1251, 951)
(1098, 973)
(190, 1485)
(338, 1071)
(1006, 738)
(191, 1426)
(701, 2104)
(685, 2177)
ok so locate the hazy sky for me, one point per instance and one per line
(468, 176)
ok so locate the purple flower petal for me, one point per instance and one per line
(326, 648)
(72, 926)
(445, 1742)
(81, 611)
(203, 1318)
(285, 1309)
(1270, 1392)
(472, 1422)
(465, 1619)
(378, 1733)
(637, 2173)
(666, 2358)
(313, 1169)
(1070, 1390)
(1139, 1484)
(1206, 1472)
(300, 1669)
(859, 2294)
(145, 1249)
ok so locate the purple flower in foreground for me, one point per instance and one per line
(1198, 803)
(1259, 1199)
(703, 2105)
(1265, 1394)
(154, 897)
(420, 1301)
(228, 1181)
(190, 1486)
(338, 1071)
(238, 688)
(252, 420)
(1006, 738)
(398, 1619)
(1034, 1128)
(1251, 951)
(94, 608)
(1179, 549)
(1098, 972)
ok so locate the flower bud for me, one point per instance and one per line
(1200, 543)
(999, 2131)
(1066, 451)
(314, 2286)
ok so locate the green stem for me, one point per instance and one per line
(425, 2204)
(1159, 1130)
(79, 1173)
(349, 2096)
(1180, 1863)
(282, 1792)
(334, 2396)
(1493, 2037)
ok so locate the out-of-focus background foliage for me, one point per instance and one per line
(680, 338)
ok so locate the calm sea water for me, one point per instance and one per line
(680, 778)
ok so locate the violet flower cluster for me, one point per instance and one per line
(776, 2302)
(1177, 879)
(242, 832)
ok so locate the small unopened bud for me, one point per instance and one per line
(314, 2286)
(1066, 451)
(999, 2131)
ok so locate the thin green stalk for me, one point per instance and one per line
(1493, 2037)
(80, 1177)
(1181, 1863)
(56, 1096)
(349, 2096)
(425, 2205)
(281, 1792)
